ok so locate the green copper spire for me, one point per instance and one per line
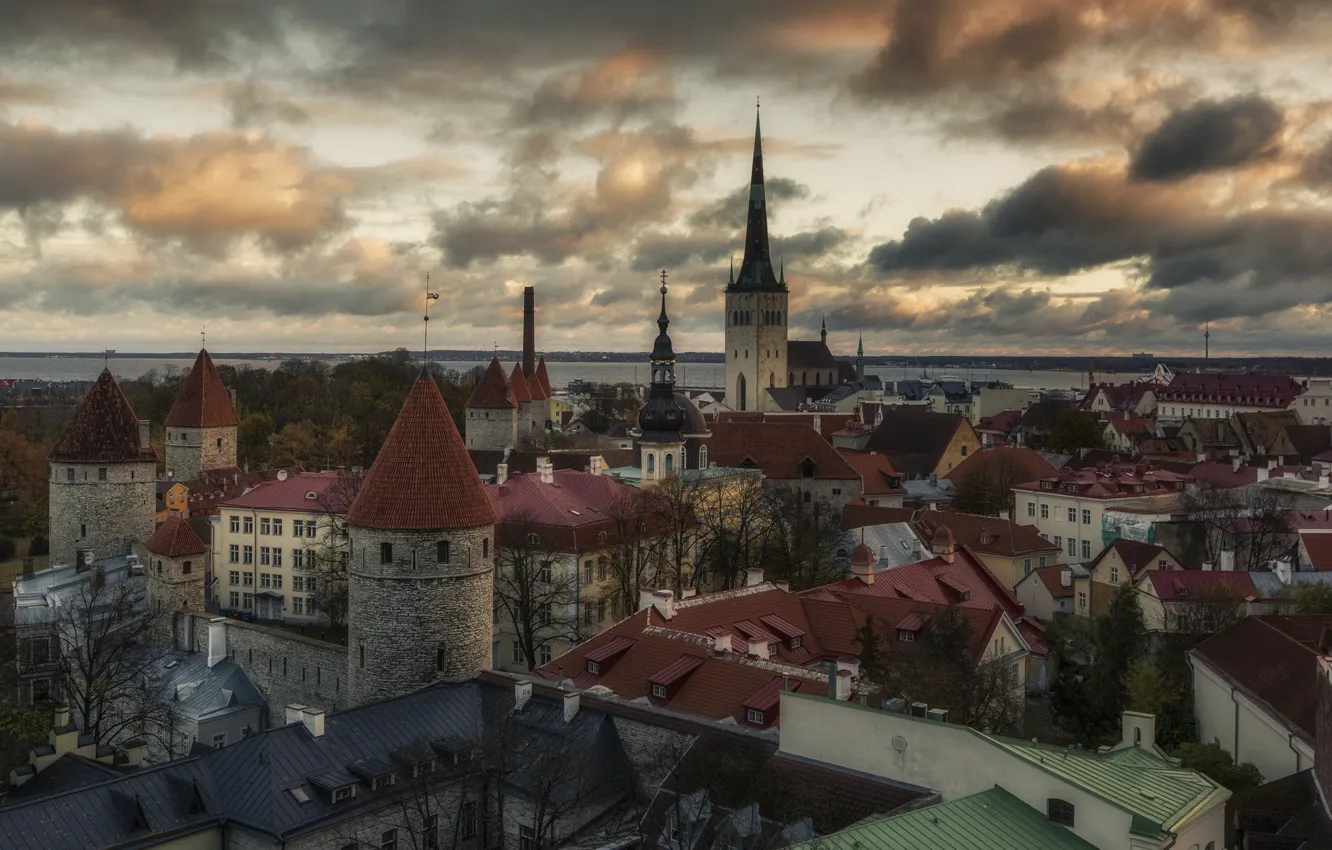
(756, 271)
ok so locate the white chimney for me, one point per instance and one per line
(1236, 463)
(144, 442)
(722, 642)
(545, 470)
(570, 706)
(753, 576)
(522, 692)
(758, 648)
(1227, 560)
(294, 713)
(688, 592)
(501, 473)
(313, 718)
(843, 685)
(217, 640)
(1262, 473)
(662, 600)
(595, 465)
(1066, 578)
(1282, 570)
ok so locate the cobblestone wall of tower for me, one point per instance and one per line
(420, 621)
(174, 584)
(106, 516)
(189, 451)
(491, 429)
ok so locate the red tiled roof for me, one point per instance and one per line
(203, 400)
(332, 492)
(1273, 660)
(610, 649)
(1112, 481)
(766, 697)
(1005, 464)
(1319, 548)
(544, 377)
(1272, 391)
(828, 423)
(1052, 578)
(676, 670)
(1003, 422)
(569, 513)
(1125, 424)
(174, 538)
(913, 622)
(534, 387)
(492, 391)
(423, 477)
(778, 449)
(1187, 585)
(1218, 473)
(876, 473)
(518, 385)
(987, 534)
(104, 429)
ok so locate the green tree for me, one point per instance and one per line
(1312, 598)
(1073, 430)
(1214, 762)
(252, 439)
(1089, 697)
(1153, 691)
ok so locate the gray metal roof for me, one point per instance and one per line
(203, 692)
(895, 544)
(36, 598)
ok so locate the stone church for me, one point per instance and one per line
(765, 370)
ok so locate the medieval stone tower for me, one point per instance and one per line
(756, 308)
(102, 473)
(492, 413)
(201, 427)
(422, 533)
(177, 561)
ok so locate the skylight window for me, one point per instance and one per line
(298, 794)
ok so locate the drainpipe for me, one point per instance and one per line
(1290, 742)
(1234, 753)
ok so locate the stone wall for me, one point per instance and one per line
(822, 488)
(286, 667)
(407, 813)
(174, 586)
(652, 750)
(491, 430)
(189, 451)
(414, 620)
(107, 516)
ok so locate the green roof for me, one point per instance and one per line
(990, 820)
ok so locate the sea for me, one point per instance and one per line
(562, 373)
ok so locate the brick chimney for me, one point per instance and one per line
(529, 331)
(144, 442)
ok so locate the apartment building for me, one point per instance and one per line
(1068, 509)
(268, 543)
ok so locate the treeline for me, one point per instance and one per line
(308, 411)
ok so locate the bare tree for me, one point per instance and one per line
(988, 489)
(535, 591)
(327, 557)
(1212, 611)
(675, 504)
(108, 666)
(805, 544)
(635, 555)
(1252, 522)
(733, 523)
(430, 799)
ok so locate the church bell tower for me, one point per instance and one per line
(756, 308)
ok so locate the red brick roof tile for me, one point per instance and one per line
(104, 429)
(492, 391)
(534, 387)
(985, 534)
(777, 448)
(316, 492)
(1319, 547)
(1270, 391)
(544, 377)
(1052, 578)
(1008, 464)
(174, 538)
(876, 472)
(1187, 585)
(423, 477)
(203, 400)
(518, 388)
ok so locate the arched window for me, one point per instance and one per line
(740, 393)
(804, 379)
(385, 553)
(702, 457)
(185, 567)
(652, 463)
(670, 463)
(485, 547)
(772, 379)
(533, 539)
(441, 655)
(791, 379)
(443, 553)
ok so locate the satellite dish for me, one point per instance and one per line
(899, 743)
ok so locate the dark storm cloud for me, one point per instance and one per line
(810, 243)
(730, 211)
(1210, 136)
(669, 251)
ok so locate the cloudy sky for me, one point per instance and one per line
(950, 176)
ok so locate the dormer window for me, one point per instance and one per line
(807, 468)
(423, 767)
(594, 668)
(797, 642)
(533, 539)
(754, 716)
(383, 781)
(346, 792)
(906, 636)
(1059, 811)
(659, 691)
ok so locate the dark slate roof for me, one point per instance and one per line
(1286, 814)
(67, 773)
(104, 429)
(790, 398)
(1309, 440)
(809, 355)
(914, 439)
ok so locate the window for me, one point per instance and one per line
(346, 792)
(298, 582)
(546, 613)
(235, 599)
(185, 567)
(1086, 517)
(310, 583)
(233, 554)
(277, 525)
(235, 578)
(587, 572)
(1026, 566)
(670, 462)
(1114, 575)
(389, 840)
(533, 539)
(248, 553)
(1082, 599)
(467, 818)
(247, 600)
(442, 553)
(526, 838)
(298, 558)
(235, 524)
(905, 636)
(702, 457)
(518, 656)
(601, 611)
(265, 580)
(589, 609)
(101, 473)
(485, 547)
(69, 473)
(297, 528)
(1059, 811)
(297, 606)
(265, 556)
(309, 527)
(277, 556)
(964, 451)
(1072, 514)
(1045, 511)
(1059, 541)
(603, 565)
(544, 572)
(249, 525)
(1031, 509)
(1041, 562)
(385, 553)
(264, 526)
(543, 655)
(1073, 546)
(381, 782)
(219, 740)
(594, 667)
(431, 838)
(277, 580)
(1086, 550)
(83, 529)
(311, 607)
(755, 716)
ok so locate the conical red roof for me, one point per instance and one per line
(203, 401)
(518, 385)
(492, 392)
(174, 538)
(423, 478)
(543, 377)
(534, 387)
(104, 430)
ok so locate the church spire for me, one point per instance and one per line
(860, 360)
(823, 330)
(756, 268)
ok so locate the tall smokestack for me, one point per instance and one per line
(529, 331)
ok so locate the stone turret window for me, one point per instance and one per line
(670, 463)
(442, 553)
(385, 553)
(185, 567)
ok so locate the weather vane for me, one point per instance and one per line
(425, 334)
(203, 336)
